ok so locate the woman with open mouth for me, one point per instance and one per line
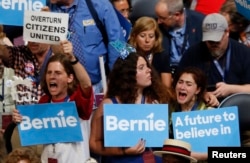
(189, 87)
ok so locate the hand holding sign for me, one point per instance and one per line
(147, 122)
(45, 27)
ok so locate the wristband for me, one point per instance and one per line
(123, 151)
(74, 62)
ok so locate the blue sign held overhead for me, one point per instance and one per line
(125, 24)
(49, 123)
(126, 124)
(207, 128)
(13, 10)
(243, 7)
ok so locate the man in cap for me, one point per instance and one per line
(225, 61)
(174, 150)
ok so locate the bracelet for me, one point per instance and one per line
(123, 151)
(74, 62)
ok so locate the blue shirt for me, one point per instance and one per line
(90, 37)
(192, 33)
(179, 44)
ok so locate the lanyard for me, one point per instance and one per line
(143, 100)
(66, 99)
(195, 106)
(223, 70)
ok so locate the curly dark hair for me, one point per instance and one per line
(64, 60)
(22, 153)
(122, 82)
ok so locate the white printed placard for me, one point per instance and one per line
(126, 124)
(45, 27)
(207, 128)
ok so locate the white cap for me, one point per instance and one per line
(213, 27)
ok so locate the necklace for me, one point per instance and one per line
(149, 57)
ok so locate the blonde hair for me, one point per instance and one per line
(2, 34)
(143, 24)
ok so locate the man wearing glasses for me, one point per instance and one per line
(181, 28)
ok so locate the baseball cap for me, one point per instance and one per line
(213, 27)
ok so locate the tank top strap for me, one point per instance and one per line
(113, 99)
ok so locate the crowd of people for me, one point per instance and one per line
(186, 57)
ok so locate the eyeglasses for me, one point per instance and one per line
(165, 18)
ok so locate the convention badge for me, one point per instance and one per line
(25, 95)
(6, 119)
(54, 154)
(29, 68)
(98, 98)
(52, 160)
(88, 22)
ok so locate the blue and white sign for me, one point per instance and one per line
(126, 124)
(12, 11)
(208, 128)
(49, 123)
(243, 7)
(125, 25)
